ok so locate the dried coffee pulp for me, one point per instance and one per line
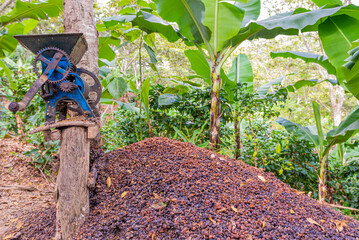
(165, 189)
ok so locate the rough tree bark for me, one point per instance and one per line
(215, 108)
(71, 190)
(79, 17)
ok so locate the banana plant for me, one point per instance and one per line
(217, 28)
(351, 70)
(324, 142)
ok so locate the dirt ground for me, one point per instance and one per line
(22, 187)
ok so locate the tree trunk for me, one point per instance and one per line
(336, 94)
(322, 179)
(215, 108)
(71, 190)
(237, 135)
(79, 18)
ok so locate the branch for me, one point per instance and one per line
(5, 5)
(338, 206)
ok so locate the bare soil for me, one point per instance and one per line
(23, 189)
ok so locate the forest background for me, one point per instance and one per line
(153, 87)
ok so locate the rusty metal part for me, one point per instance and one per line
(74, 44)
(15, 106)
(51, 56)
(67, 86)
(94, 88)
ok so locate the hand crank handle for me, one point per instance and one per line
(20, 106)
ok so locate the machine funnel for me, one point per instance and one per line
(74, 44)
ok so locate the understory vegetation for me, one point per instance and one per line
(288, 104)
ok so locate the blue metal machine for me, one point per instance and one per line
(63, 86)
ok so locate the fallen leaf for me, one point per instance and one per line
(16, 203)
(129, 171)
(156, 196)
(213, 156)
(299, 192)
(14, 220)
(124, 194)
(234, 209)
(159, 205)
(262, 178)
(315, 223)
(9, 236)
(222, 210)
(108, 182)
(264, 224)
(210, 218)
(18, 225)
(291, 211)
(340, 225)
(153, 236)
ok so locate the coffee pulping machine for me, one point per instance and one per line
(60, 83)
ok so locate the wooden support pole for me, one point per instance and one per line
(71, 191)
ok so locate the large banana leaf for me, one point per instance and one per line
(199, 64)
(346, 128)
(263, 90)
(42, 10)
(328, 3)
(252, 8)
(337, 34)
(224, 20)
(188, 14)
(318, 123)
(302, 132)
(351, 70)
(306, 83)
(146, 22)
(241, 72)
(289, 23)
(308, 58)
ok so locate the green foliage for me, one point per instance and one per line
(14, 22)
(291, 159)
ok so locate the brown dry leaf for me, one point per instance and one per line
(222, 210)
(16, 203)
(153, 236)
(291, 211)
(129, 171)
(108, 182)
(340, 225)
(243, 183)
(262, 178)
(18, 225)
(8, 236)
(14, 220)
(210, 218)
(299, 192)
(124, 194)
(234, 208)
(264, 224)
(315, 223)
(159, 205)
(156, 196)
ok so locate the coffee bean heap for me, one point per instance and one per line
(165, 189)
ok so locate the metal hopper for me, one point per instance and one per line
(74, 44)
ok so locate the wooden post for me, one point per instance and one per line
(71, 190)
